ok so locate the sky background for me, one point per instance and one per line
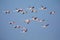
(35, 31)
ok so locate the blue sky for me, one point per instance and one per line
(35, 32)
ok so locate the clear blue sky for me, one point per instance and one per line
(35, 32)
